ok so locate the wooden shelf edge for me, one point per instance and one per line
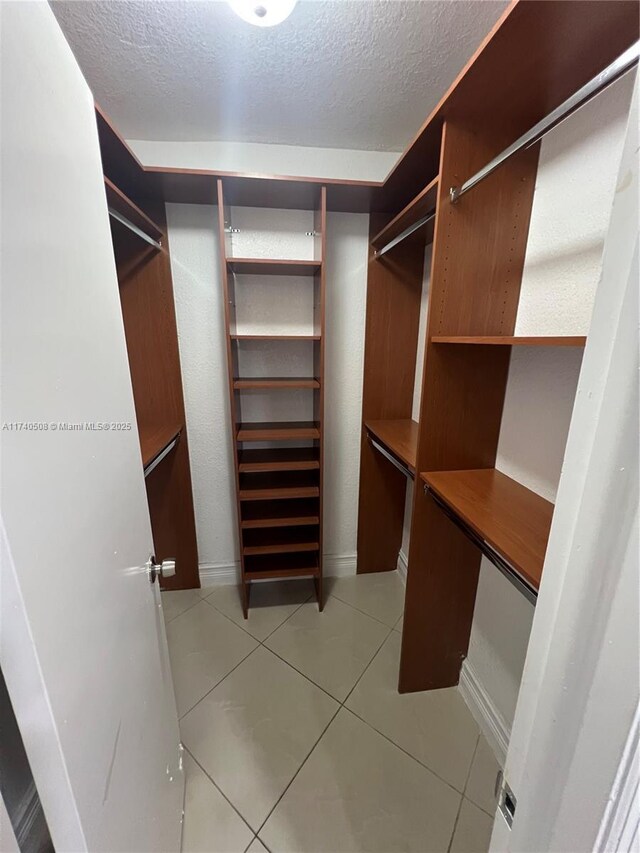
(273, 266)
(275, 337)
(266, 523)
(513, 340)
(417, 207)
(127, 208)
(275, 574)
(276, 383)
(284, 493)
(399, 437)
(283, 548)
(153, 440)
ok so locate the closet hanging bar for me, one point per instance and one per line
(158, 459)
(396, 462)
(405, 233)
(515, 579)
(611, 73)
(137, 231)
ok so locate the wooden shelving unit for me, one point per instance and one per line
(279, 486)
(148, 313)
(513, 340)
(515, 79)
(514, 520)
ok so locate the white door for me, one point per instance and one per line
(571, 762)
(82, 644)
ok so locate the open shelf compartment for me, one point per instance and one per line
(399, 437)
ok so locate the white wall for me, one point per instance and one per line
(571, 209)
(267, 159)
(199, 309)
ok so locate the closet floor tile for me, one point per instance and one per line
(379, 594)
(434, 726)
(175, 603)
(399, 624)
(210, 823)
(271, 604)
(203, 646)
(255, 729)
(256, 846)
(482, 779)
(473, 830)
(332, 648)
(357, 792)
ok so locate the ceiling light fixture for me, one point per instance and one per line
(263, 13)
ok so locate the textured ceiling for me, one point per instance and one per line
(338, 74)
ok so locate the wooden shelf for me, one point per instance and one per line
(514, 341)
(420, 206)
(400, 437)
(275, 337)
(279, 485)
(269, 266)
(279, 540)
(125, 207)
(283, 382)
(277, 431)
(514, 520)
(283, 513)
(153, 440)
(279, 459)
(273, 566)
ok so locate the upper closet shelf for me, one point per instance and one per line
(267, 266)
(418, 213)
(122, 209)
(513, 341)
(397, 440)
(509, 522)
(156, 443)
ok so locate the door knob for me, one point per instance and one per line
(166, 569)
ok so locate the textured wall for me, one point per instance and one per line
(571, 209)
(198, 294)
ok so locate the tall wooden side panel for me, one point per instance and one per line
(394, 288)
(320, 248)
(478, 256)
(148, 310)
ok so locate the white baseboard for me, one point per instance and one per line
(218, 574)
(223, 574)
(494, 726)
(403, 565)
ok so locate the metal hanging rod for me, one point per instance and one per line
(610, 74)
(515, 579)
(138, 231)
(396, 462)
(158, 459)
(403, 234)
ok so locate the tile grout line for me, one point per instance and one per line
(455, 823)
(222, 794)
(364, 613)
(182, 716)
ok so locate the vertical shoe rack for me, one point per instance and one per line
(278, 463)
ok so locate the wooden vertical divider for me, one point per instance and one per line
(320, 242)
(478, 257)
(228, 291)
(394, 289)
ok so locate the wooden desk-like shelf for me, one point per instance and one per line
(400, 437)
(511, 518)
(153, 440)
(420, 206)
(514, 341)
(267, 266)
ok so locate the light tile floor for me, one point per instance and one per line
(296, 738)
